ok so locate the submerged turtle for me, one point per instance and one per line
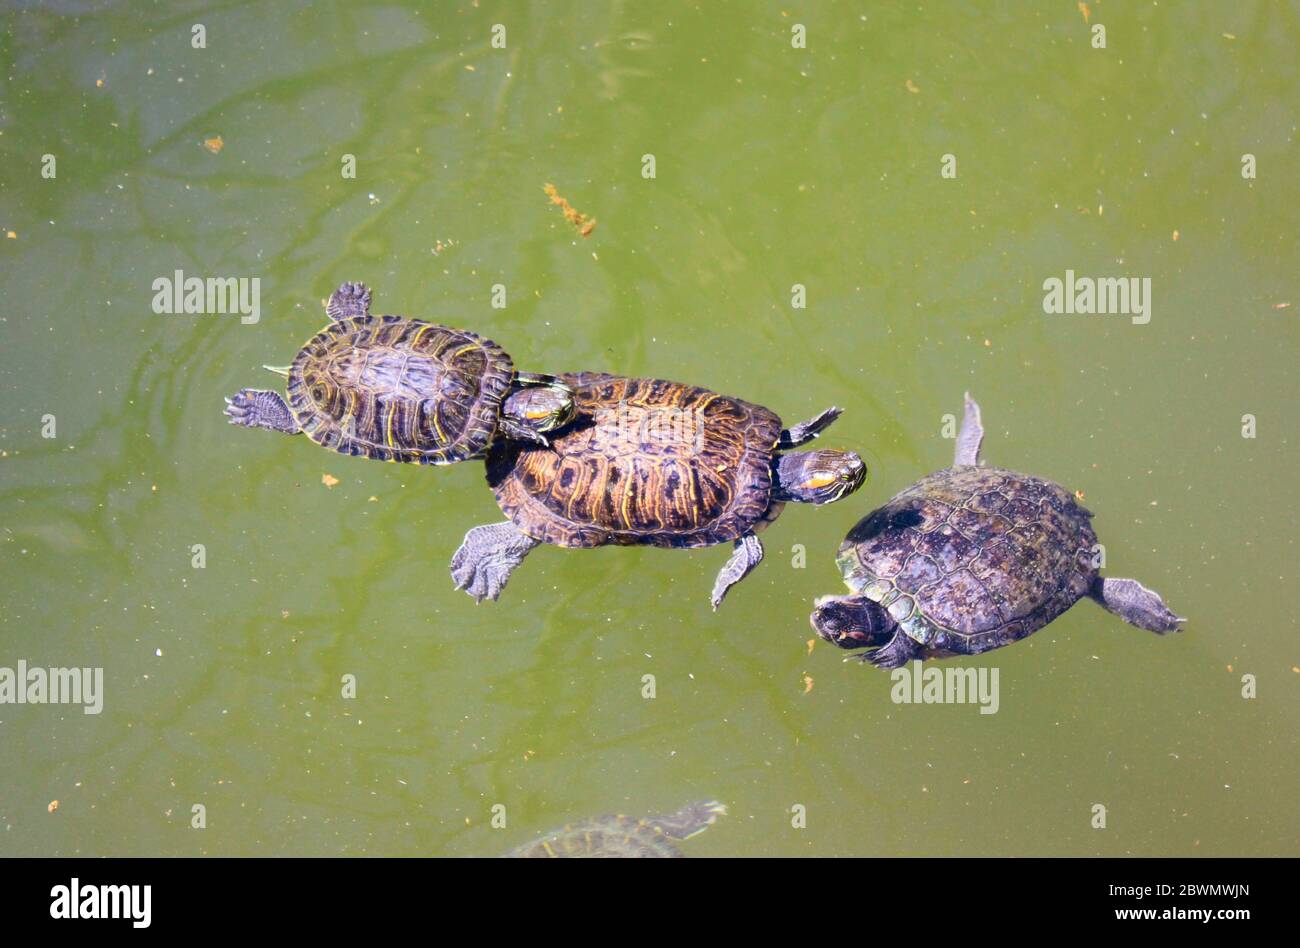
(969, 559)
(398, 389)
(614, 837)
(656, 463)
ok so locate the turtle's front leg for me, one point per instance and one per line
(805, 431)
(486, 558)
(258, 408)
(512, 429)
(895, 653)
(749, 553)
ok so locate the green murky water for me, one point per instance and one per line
(775, 166)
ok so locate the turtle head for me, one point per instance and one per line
(542, 405)
(819, 477)
(851, 621)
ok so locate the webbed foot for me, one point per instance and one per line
(896, 653)
(486, 558)
(970, 436)
(749, 553)
(258, 408)
(805, 431)
(349, 300)
(1136, 605)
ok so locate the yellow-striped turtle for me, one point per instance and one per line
(651, 462)
(398, 389)
(968, 559)
(624, 837)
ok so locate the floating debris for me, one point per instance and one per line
(214, 144)
(912, 87)
(329, 480)
(585, 223)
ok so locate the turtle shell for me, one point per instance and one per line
(610, 837)
(397, 389)
(644, 462)
(623, 836)
(973, 558)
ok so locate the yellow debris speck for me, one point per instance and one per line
(329, 480)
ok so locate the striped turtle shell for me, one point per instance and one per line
(972, 558)
(645, 462)
(397, 389)
(614, 837)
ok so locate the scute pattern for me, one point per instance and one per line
(645, 462)
(397, 389)
(972, 558)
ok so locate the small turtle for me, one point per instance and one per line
(655, 463)
(968, 559)
(622, 837)
(398, 389)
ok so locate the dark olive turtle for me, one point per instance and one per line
(656, 463)
(624, 837)
(398, 389)
(969, 559)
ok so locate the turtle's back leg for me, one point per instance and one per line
(258, 408)
(486, 558)
(349, 300)
(749, 553)
(805, 431)
(970, 436)
(1135, 604)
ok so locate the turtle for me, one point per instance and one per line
(972, 558)
(656, 463)
(624, 837)
(398, 389)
